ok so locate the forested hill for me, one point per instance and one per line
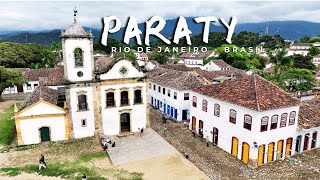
(293, 30)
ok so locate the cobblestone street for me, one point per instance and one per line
(218, 164)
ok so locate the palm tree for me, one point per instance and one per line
(281, 61)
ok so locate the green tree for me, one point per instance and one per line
(9, 77)
(304, 39)
(313, 51)
(281, 61)
(300, 61)
(129, 55)
(297, 80)
(111, 42)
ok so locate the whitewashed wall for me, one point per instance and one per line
(30, 129)
(227, 130)
(77, 116)
(111, 115)
(115, 74)
(70, 69)
(179, 103)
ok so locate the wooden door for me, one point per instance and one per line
(306, 142)
(200, 127)
(20, 88)
(193, 124)
(234, 147)
(270, 151)
(215, 136)
(288, 146)
(280, 149)
(44, 134)
(314, 139)
(245, 152)
(261, 154)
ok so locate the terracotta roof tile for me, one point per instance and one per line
(221, 63)
(35, 74)
(309, 114)
(40, 93)
(252, 92)
(180, 80)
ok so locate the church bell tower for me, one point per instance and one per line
(77, 49)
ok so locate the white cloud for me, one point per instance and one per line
(57, 15)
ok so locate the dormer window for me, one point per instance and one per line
(78, 57)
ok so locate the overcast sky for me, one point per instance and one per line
(57, 15)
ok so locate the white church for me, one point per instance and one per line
(94, 96)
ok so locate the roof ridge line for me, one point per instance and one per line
(256, 93)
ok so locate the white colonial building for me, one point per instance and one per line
(299, 48)
(251, 119)
(196, 58)
(316, 60)
(102, 96)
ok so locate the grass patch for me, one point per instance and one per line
(73, 170)
(7, 127)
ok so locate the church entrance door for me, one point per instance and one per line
(125, 122)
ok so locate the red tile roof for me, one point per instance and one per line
(309, 114)
(46, 73)
(252, 92)
(40, 93)
(199, 55)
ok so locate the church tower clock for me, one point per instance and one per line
(77, 49)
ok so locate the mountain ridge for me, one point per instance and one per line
(291, 29)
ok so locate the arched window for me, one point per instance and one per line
(82, 102)
(110, 99)
(194, 101)
(283, 121)
(217, 110)
(233, 116)
(247, 122)
(204, 105)
(137, 96)
(292, 118)
(274, 122)
(124, 98)
(264, 123)
(78, 57)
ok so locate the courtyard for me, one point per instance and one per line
(218, 164)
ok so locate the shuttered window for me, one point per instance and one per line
(247, 122)
(292, 118)
(233, 116)
(283, 121)
(274, 122)
(264, 123)
(217, 110)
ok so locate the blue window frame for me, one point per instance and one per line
(164, 108)
(171, 112)
(175, 113)
(168, 110)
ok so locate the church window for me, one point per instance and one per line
(82, 102)
(79, 73)
(264, 123)
(137, 97)
(110, 99)
(233, 116)
(83, 122)
(217, 110)
(28, 86)
(78, 57)
(247, 122)
(124, 98)
(123, 71)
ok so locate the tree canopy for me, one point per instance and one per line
(9, 77)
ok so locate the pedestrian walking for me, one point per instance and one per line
(164, 130)
(84, 177)
(207, 140)
(194, 133)
(42, 163)
(141, 132)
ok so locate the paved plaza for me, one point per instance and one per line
(133, 148)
